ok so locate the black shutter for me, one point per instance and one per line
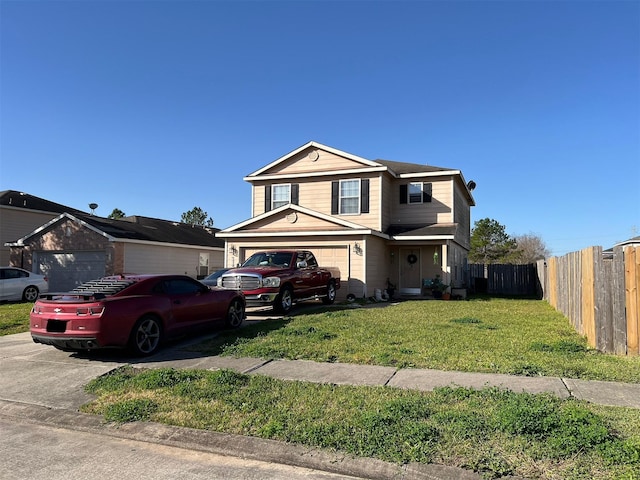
(335, 197)
(426, 192)
(267, 198)
(295, 197)
(403, 193)
(364, 195)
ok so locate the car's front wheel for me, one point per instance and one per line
(146, 336)
(30, 294)
(284, 301)
(235, 314)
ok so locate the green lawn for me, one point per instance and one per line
(491, 431)
(14, 318)
(522, 337)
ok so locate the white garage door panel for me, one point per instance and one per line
(67, 270)
(333, 257)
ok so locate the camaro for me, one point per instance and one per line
(134, 311)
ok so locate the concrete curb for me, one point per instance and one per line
(250, 448)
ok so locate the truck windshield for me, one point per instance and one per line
(268, 259)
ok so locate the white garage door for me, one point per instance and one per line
(333, 257)
(67, 270)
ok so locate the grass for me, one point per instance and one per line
(491, 431)
(14, 318)
(520, 337)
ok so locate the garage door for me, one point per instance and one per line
(333, 257)
(67, 270)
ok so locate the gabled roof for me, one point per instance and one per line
(355, 158)
(402, 168)
(14, 198)
(335, 226)
(139, 229)
(632, 241)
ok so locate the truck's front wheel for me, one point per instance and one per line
(284, 301)
(331, 293)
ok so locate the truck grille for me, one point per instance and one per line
(242, 282)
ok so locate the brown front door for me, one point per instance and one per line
(410, 281)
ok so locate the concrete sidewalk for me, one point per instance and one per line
(604, 393)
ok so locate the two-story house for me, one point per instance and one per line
(377, 221)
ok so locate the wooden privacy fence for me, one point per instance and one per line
(598, 294)
(503, 279)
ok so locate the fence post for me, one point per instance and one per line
(632, 297)
(619, 318)
(588, 295)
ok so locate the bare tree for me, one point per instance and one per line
(530, 249)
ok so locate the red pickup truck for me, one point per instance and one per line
(281, 278)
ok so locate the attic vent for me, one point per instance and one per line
(313, 155)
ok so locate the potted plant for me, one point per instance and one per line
(437, 287)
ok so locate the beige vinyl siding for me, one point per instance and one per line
(145, 258)
(303, 163)
(462, 216)
(439, 210)
(288, 221)
(458, 261)
(315, 194)
(379, 262)
(389, 203)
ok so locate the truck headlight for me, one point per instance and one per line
(271, 282)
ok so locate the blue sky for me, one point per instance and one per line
(155, 107)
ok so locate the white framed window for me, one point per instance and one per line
(349, 197)
(415, 192)
(203, 264)
(418, 192)
(280, 195)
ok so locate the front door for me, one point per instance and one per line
(410, 281)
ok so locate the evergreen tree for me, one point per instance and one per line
(197, 216)
(490, 243)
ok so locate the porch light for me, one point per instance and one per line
(357, 249)
(435, 257)
(233, 250)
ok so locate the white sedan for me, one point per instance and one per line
(19, 284)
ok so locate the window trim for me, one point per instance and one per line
(273, 196)
(426, 190)
(420, 186)
(358, 196)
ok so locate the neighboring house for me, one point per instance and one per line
(632, 242)
(74, 248)
(377, 221)
(21, 213)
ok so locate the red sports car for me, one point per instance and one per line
(135, 311)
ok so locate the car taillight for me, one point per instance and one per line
(86, 311)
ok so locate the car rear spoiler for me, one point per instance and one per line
(72, 296)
